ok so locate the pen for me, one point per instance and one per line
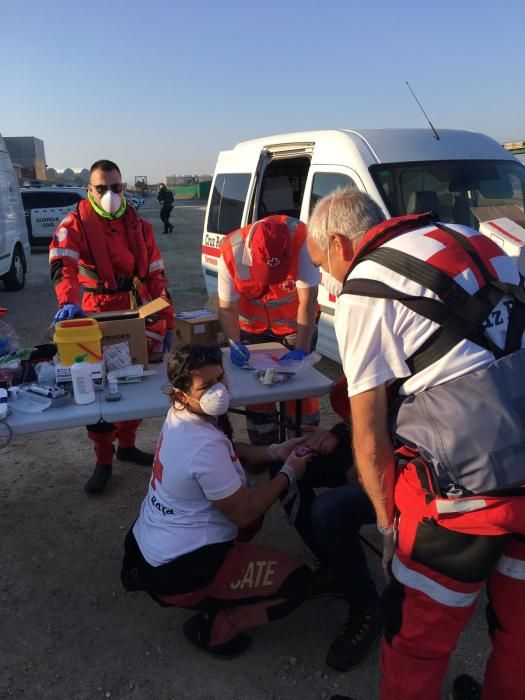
(233, 344)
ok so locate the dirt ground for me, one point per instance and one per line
(68, 628)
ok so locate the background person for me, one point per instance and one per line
(103, 257)
(185, 547)
(430, 307)
(268, 292)
(166, 199)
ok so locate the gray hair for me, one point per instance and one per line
(349, 212)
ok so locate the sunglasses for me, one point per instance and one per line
(117, 188)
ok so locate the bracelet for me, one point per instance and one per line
(272, 450)
(288, 471)
(385, 530)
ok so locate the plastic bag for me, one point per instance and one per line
(9, 342)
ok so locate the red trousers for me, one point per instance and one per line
(438, 574)
(105, 434)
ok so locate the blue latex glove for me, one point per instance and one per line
(294, 355)
(239, 354)
(68, 312)
(168, 341)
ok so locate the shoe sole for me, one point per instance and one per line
(360, 662)
(214, 654)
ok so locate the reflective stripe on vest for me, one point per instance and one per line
(248, 322)
(513, 568)
(433, 589)
(238, 246)
(275, 302)
(156, 265)
(63, 253)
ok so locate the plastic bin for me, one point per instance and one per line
(81, 336)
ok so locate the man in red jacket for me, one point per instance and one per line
(103, 257)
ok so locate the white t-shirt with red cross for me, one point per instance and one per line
(376, 336)
(195, 464)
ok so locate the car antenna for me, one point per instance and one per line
(436, 135)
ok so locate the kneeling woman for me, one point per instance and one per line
(185, 547)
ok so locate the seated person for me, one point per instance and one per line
(185, 548)
(329, 523)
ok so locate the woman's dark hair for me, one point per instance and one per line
(187, 359)
(180, 366)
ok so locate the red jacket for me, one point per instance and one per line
(89, 251)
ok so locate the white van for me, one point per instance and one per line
(464, 176)
(14, 244)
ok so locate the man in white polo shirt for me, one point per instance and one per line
(434, 314)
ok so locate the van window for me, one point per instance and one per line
(324, 183)
(462, 192)
(227, 202)
(282, 187)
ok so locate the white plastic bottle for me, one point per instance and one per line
(83, 389)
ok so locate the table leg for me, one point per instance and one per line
(282, 421)
(298, 416)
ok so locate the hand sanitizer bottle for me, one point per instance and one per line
(83, 389)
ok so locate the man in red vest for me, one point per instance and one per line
(435, 313)
(103, 257)
(268, 292)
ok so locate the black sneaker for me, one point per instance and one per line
(324, 583)
(134, 455)
(98, 480)
(357, 638)
(466, 688)
(198, 628)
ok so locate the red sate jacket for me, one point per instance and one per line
(89, 252)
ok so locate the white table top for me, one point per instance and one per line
(147, 400)
(69, 416)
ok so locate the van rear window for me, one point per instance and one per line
(227, 202)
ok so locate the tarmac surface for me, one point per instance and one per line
(68, 628)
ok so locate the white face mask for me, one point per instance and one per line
(215, 401)
(329, 282)
(110, 202)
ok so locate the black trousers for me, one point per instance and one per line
(165, 213)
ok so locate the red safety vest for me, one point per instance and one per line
(276, 311)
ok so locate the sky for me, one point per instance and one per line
(162, 86)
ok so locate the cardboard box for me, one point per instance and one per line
(195, 327)
(129, 327)
(98, 374)
(508, 235)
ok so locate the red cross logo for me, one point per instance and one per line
(454, 260)
(156, 474)
(273, 262)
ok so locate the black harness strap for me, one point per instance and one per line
(460, 315)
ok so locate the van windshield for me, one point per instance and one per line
(459, 191)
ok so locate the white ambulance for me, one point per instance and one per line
(465, 177)
(14, 244)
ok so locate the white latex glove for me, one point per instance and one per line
(280, 451)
